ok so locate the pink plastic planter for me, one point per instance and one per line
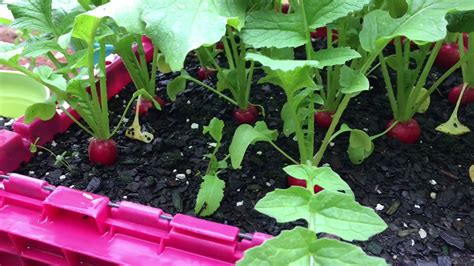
(46, 225)
(13, 152)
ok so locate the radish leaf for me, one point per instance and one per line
(210, 195)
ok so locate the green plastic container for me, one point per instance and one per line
(17, 92)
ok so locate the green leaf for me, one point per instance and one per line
(270, 29)
(44, 111)
(335, 56)
(424, 21)
(227, 79)
(281, 64)
(46, 16)
(352, 81)
(246, 135)
(48, 76)
(290, 81)
(286, 205)
(215, 128)
(289, 248)
(461, 21)
(360, 146)
(210, 195)
(163, 67)
(453, 127)
(41, 47)
(9, 51)
(333, 252)
(329, 212)
(426, 104)
(338, 214)
(299, 246)
(201, 22)
(176, 86)
(324, 177)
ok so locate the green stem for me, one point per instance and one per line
(249, 81)
(374, 137)
(214, 62)
(335, 120)
(144, 66)
(83, 127)
(103, 90)
(154, 65)
(211, 89)
(388, 85)
(228, 53)
(283, 152)
(469, 56)
(96, 110)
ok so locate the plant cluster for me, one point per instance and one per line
(401, 39)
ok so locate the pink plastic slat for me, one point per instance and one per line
(71, 227)
(12, 150)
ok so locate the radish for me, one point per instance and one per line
(468, 96)
(145, 105)
(204, 73)
(246, 116)
(406, 132)
(102, 152)
(285, 8)
(323, 118)
(220, 46)
(448, 55)
(322, 33)
(302, 183)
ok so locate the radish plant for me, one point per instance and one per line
(329, 211)
(211, 191)
(409, 96)
(462, 94)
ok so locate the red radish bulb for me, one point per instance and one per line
(322, 33)
(246, 116)
(448, 55)
(302, 183)
(103, 152)
(406, 132)
(323, 118)
(285, 8)
(145, 105)
(468, 96)
(220, 46)
(204, 73)
(465, 40)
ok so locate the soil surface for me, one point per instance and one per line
(422, 191)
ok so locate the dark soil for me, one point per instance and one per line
(423, 188)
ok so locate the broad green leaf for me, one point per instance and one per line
(286, 205)
(461, 21)
(424, 21)
(44, 111)
(289, 248)
(48, 76)
(46, 16)
(333, 252)
(267, 28)
(453, 127)
(352, 81)
(279, 53)
(299, 246)
(246, 135)
(360, 146)
(281, 64)
(290, 109)
(127, 14)
(215, 128)
(210, 195)
(271, 29)
(325, 177)
(38, 48)
(176, 86)
(201, 22)
(335, 56)
(338, 214)
(290, 81)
